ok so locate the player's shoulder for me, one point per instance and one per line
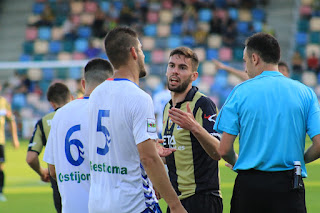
(49, 116)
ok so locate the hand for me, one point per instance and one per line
(185, 120)
(218, 64)
(162, 151)
(45, 177)
(16, 144)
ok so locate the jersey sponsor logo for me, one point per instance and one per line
(181, 148)
(210, 117)
(215, 134)
(98, 167)
(169, 141)
(151, 125)
(49, 122)
(73, 177)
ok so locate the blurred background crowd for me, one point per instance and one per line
(64, 30)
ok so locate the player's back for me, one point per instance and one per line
(69, 154)
(118, 181)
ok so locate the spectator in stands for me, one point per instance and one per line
(92, 51)
(297, 66)
(216, 26)
(99, 27)
(313, 62)
(69, 29)
(200, 35)
(188, 24)
(229, 35)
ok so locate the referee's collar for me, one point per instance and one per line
(189, 96)
(270, 73)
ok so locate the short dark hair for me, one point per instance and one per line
(188, 53)
(97, 70)
(118, 43)
(265, 45)
(284, 64)
(58, 93)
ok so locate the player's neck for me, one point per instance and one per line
(179, 97)
(126, 72)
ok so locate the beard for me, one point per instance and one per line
(181, 88)
(142, 69)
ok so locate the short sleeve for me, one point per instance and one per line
(144, 123)
(49, 150)
(228, 118)
(313, 117)
(36, 142)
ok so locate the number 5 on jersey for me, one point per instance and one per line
(104, 130)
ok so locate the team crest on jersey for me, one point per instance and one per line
(169, 123)
(151, 125)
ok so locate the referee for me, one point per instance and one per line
(271, 114)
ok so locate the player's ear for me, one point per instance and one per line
(134, 53)
(83, 83)
(194, 76)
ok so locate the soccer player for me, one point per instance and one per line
(122, 147)
(6, 113)
(272, 115)
(189, 118)
(67, 147)
(58, 95)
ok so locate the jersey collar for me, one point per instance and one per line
(121, 79)
(188, 97)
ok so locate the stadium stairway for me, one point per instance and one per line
(13, 22)
(283, 16)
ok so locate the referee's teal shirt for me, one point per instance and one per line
(272, 114)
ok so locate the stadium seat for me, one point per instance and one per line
(78, 56)
(57, 33)
(257, 14)
(84, 32)
(214, 41)
(242, 27)
(25, 57)
(204, 15)
(28, 47)
(44, 33)
(163, 30)
(59, 20)
(188, 41)
(208, 68)
(104, 6)
(153, 81)
(34, 74)
(55, 47)
(225, 54)
(238, 54)
(314, 37)
(38, 8)
(41, 47)
(301, 38)
(147, 58)
(312, 48)
(48, 74)
(165, 16)
(148, 43)
(77, 7)
(90, 7)
(62, 73)
(309, 78)
(245, 15)
(87, 19)
(233, 13)
(167, 4)
(64, 56)
(212, 54)
(152, 17)
(157, 56)
(150, 30)
(315, 24)
(221, 13)
(118, 5)
(161, 43)
(307, 2)
(257, 26)
(173, 42)
(38, 57)
(305, 10)
(201, 53)
(31, 34)
(68, 45)
(81, 45)
(176, 28)
(75, 72)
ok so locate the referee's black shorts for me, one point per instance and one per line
(267, 192)
(198, 203)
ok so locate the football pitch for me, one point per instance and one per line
(26, 193)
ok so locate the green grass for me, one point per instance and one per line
(26, 193)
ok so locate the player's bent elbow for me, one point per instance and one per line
(148, 161)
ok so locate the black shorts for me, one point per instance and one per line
(264, 192)
(2, 158)
(202, 203)
(56, 195)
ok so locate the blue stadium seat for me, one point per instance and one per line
(188, 41)
(104, 5)
(150, 30)
(238, 54)
(204, 15)
(38, 8)
(44, 33)
(242, 27)
(48, 74)
(44, 85)
(118, 5)
(68, 45)
(147, 58)
(301, 38)
(81, 45)
(220, 3)
(212, 54)
(303, 25)
(28, 47)
(25, 57)
(84, 32)
(257, 26)
(173, 42)
(233, 13)
(257, 14)
(55, 47)
(62, 73)
(314, 37)
(38, 57)
(161, 42)
(176, 28)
